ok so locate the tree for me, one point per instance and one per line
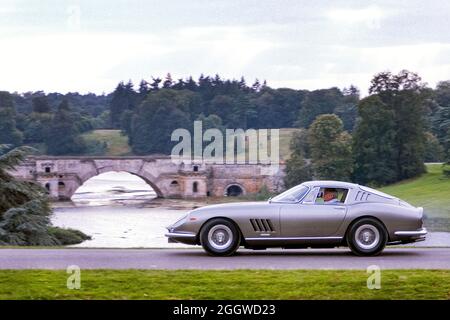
(125, 121)
(123, 98)
(318, 102)
(168, 82)
(433, 149)
(441, 117)
(8, 131)
(256, 86)
(154, 86)
(330, 145)
(297, 171)
(155, 120)
(212, 121)
(37, 125)
(190, 84)
(41, 105)
(143, 89)
(404, 95)
(374, 143)
(24, 208)
(348, 110)
(298, 168)
(63, 138)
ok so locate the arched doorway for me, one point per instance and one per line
(234, 190)
(112, 187)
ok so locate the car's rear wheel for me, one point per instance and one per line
(367, 237)
(220, 237)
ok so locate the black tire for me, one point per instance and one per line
(367, 237)
(220, 237)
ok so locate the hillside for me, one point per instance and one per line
(116, 143)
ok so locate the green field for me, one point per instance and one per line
(285, 142)
(237, 284)
(430, 191)
(117, 144)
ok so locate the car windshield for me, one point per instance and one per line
(294, 194)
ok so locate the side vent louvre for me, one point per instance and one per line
(262, 225)
(362, 196)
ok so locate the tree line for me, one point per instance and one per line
(400, 125)
(382, 138)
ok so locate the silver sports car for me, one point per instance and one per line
(317, 214)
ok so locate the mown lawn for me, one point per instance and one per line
(117, 144)
(236, 284)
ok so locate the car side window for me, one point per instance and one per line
(311, 196)
(328, 195)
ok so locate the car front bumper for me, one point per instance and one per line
(181, 237)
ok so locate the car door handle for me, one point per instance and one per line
(339, 208)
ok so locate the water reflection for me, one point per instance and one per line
(113, 187)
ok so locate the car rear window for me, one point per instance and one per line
(376, 192)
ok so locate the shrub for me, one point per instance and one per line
(68, 236)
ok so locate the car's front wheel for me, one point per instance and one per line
(220, 237)
(367, 237)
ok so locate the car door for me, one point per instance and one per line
(309, 219)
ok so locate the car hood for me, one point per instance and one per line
(233, 205)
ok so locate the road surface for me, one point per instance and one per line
(392, 258)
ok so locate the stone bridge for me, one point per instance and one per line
(62, 176)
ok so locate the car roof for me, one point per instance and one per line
(330, 183)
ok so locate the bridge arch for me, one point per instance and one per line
(234, 190)
(149, 181)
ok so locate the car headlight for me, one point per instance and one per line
(179, 222)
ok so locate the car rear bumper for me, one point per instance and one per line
(415, 233)
(403, 237)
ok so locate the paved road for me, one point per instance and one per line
(396, 258)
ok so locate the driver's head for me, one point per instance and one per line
(329, 194)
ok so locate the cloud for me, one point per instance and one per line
(98, 61)
(67, 61)
(344, 65)
(299, 44)
(370, 16)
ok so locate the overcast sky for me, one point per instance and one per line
(89, 46)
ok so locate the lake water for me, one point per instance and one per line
(120, 210)
(117, 210)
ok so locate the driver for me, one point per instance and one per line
(330, 196)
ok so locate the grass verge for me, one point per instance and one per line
(235, 284)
